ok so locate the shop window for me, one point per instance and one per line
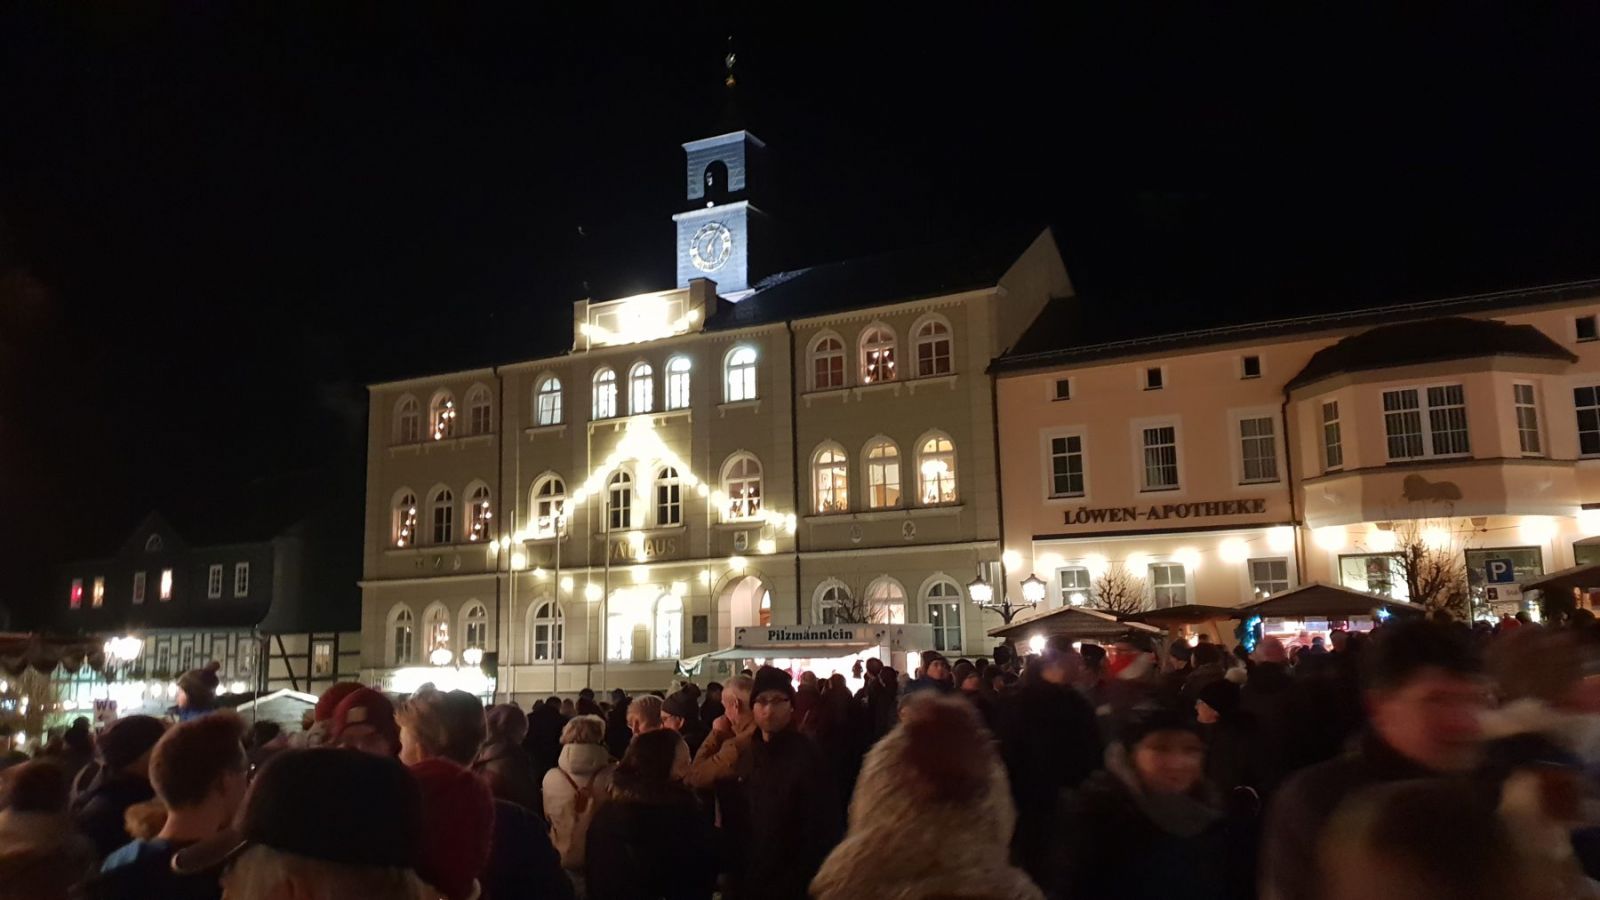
(1413, 435)
(1066, 466)
(1268, 577)
(883, 475)
(943, 603)
(1526, 401)
(1169, 585)
(1160, 458)
(1332, 438)
(678, 382)
(1077, 588)
(547, 402)
(1258, 448)
(1375, 573)
(1586, 400)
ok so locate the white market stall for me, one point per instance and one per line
(823, 649)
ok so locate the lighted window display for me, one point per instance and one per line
(740, 381)
(442, 415)
(436, 631)
(549, 502)
(886, 602)
(97, 596)
(831, 480)
(937, 467)
(544, 633)
(619, 637)
(481, 514)
(166, 584)
(742, 485)
(605, 394)
(641, 389)
(405, 520)
(883, 475)
(877, 355)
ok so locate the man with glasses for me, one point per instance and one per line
(795, 819)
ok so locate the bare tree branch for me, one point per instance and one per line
(1119, 592)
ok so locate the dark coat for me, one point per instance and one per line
(99, 811)
(1050, 742)
(648, 848)
(543, 742)
(523, 864)
(795, 817)
(1301, 809)
(618, 734)
(508, 772)
(149, 874)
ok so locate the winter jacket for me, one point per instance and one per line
(795, 819)
(721, 766)
(893, 850)
(1050, 742)
(1119, 841)
(647, 845)
(144, 869)
(1302, 807)
(586, 767)
(100, 809)
(507, 770)
(722, 757)
(41, 856)
(543, 742)
(618, 734)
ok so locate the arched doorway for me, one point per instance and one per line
(743, 601)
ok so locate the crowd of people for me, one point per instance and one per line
(1424, 760)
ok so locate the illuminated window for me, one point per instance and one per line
(641, 389)
(1268, 577)
(1077, 587)
(407, 420)
(669, 627)
(669, 498)
(475, 628)
(740, 383)
(442, 415)
(619, 637)
(883, 475)
(97, 597)
(75, 597)
(619, 501)
(480, 414)
(1526, 401)
(405, 520)
(402, 637)
(605, 394)
(214, 582)
(241, 579)
(166, 584)
(933, 349)
(544, 632)
(678, 382)
(1169, 585)
(833, 603)
(549, 502)
(1441, 432)
(435, 631)
(547, 402)
(830, 480)
(138, 587)
(936, 471)
(479, 514)
(741, 482)
(877, 354)
(322, 658)
(1258, 448)
(943, 603)
(886, 602)
(827, 363)
(443, 513)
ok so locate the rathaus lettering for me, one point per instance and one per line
(1086, 515)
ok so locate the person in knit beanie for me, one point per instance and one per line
(197, 692)
(364, 720)
(330, 699)
(457, 826)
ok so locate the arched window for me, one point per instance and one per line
(442, 415)
(830, 480)
(678, 382)
(443, 513)
(827, 363)
(833, 603)
(933, 349)
(549, 505)
(936, 471)
(480, 415)
(886, 602)
(669, 497)
(478, 513)
(547, 402)
(669, 627)
(740, 383)
(407, 420)
(619, 637)
(405, 519)
(619, 501)
(942, 600)
(877, 354)
(402, 637)
(475, 627)
(741, 482)
(545, 632)
(883, 474)
(605, 394)
(435, 630)
(152, 544)
(641, 389)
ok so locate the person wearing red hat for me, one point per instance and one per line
(364, 720)
(458, 827)
(331, 698)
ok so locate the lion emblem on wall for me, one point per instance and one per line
(1418, 490)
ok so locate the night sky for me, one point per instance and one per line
(219, 221)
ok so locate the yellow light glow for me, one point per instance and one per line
(767, 545)
(702, 490)
(1049, 562)
(1097, 565)
(1331, 538)
(1380, 541)
(705, 576)
(593, 592)
(540, 573)
(566, 584)
(1537, 529)
(519, 561)
(1589, 521)
(1233, 550)
(736, 563)
(1436, 538)
(680, 589)
(640, 574)
(1036, 643)
(1136, 564)
(1012, 560)
(1189, 557)
(1280, 539)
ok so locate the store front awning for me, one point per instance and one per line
(1587, 576)
(1073, 622)
(1325, 601)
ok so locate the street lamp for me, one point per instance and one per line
(440, 656)
(982, 594)
(1033, 590)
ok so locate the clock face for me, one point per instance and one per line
(711, 246)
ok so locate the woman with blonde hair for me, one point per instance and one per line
(578, 784)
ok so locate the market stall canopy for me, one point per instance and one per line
(19, 651)
(1073, 622)
(1587, 576)
(1184, 614)
(1325, 601)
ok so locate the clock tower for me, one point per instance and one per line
(718, 235)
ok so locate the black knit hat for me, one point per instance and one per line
(771, 679)
(1152, 721)
(680, 704)
(128, 739)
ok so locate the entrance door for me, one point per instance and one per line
(743, 602)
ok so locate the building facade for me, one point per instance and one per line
(1220, 467)
(814, 446)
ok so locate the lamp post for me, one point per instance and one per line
(983, 594)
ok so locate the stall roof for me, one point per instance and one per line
(1072, 621)
(1184, 614)
(1585, 576)
(1319, 599)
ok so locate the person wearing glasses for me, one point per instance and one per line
(795, 815)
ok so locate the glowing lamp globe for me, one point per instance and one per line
(472, 656)
(980, 591)
(1033, 589)
(440, 657)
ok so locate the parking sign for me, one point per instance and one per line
(1499, 571)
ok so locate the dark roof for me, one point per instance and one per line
(1068, 331)
(1074, 622)
(930, 271)
(1329, 600)
(1428, 340)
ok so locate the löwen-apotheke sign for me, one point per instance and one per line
(1204, 509)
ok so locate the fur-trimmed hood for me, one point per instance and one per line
(897, 849)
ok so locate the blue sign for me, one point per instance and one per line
(1499, 571)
